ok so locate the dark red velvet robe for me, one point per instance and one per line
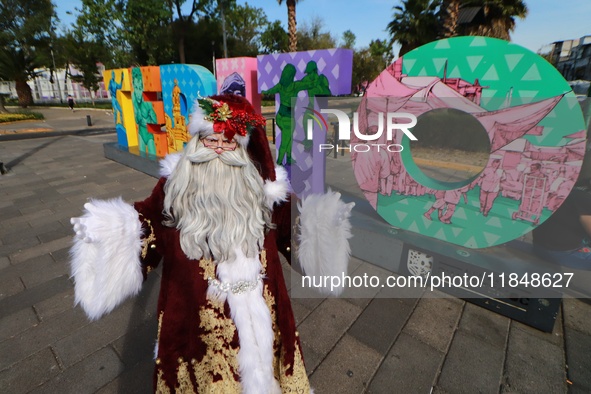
(197, 339)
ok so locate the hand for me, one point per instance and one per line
(81, 227)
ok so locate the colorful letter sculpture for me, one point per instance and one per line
(145, 99)
(300, 80)
(239, 76)
(182, 84)
(532, 118)
(118, 83)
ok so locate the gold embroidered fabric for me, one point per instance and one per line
(146, 242)
(161, 386)
(184, 379)
(298, 381)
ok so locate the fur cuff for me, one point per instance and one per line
(105, 259)
(324, 236)
(276, 192)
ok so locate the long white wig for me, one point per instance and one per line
(217, 203)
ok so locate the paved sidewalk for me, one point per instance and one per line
(375, 344)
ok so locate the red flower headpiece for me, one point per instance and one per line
(228, 118)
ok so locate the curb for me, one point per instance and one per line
(82, 132)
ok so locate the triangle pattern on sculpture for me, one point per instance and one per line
(408, 64)
(442, 44)
(512, 60)
(474, 61)
(491, 74)
(533, 74)
(439, 63)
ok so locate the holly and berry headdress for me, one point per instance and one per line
(229, 114)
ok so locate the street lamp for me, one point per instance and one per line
(57, 80)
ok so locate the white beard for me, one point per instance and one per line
(217, 203)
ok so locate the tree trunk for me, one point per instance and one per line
(23, 90)
(182, 48)
(292, 26)
(450, 20)
(3, 109)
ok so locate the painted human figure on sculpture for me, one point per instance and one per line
(490, 185)
(144, 113)
(287, 88)
(446, 202)
(318, 86)
(114, 87)
(234, 84)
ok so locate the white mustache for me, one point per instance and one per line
(203, 154)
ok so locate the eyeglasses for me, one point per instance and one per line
(212, 142)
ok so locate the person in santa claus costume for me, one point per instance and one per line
(216, 220)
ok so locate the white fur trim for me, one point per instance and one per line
(255, 328)
(198, 126)
(324, 233)
(277, 191)
(168, 163)
(105, 260)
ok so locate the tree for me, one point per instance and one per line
(183, 23)
(348, 39)
(291, 23)
(25, 27)
(245, 25)
(415, 23)
(312, 36)
(147, 30)
(274, 39)
(84, 55)
(449, 14)
(102, 22)
(499, 17)
(369, 62)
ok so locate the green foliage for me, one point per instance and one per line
(244, 25)
(369, 62)
(274, 39)
(148, 31)
(25, 32)
(19, 116)
(311, 35)
(415, 23)
(348, 39)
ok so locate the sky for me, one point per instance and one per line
(547, 21)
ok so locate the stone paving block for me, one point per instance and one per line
(87, 376)
(40, 336)
(28, 297)
(578, 361)
(40, 273)
(348, 368)
(8, 249)
(577, 315)
(54, 305)
(23, 238)
(530, 367)
(327, 323)
(440, 313)
(41, 249)
(4, 262)
(484, 325)
(312, 358)
(14, 324)
(9, 286)
(29, 373)
(59, 231)
(92, 337)
(134, 380)
(138, 344)
(300, 312)
(381, 322)
(472, 365)
(409, 367)
(27, 218)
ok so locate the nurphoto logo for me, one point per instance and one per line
(344, 129)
